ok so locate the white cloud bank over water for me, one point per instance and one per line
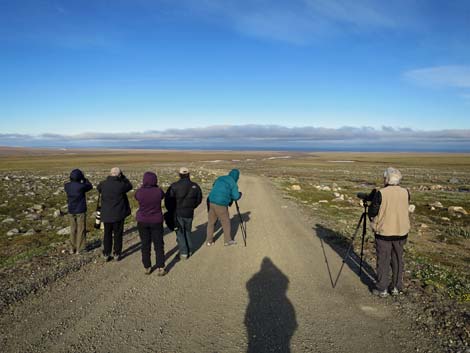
(259, 137)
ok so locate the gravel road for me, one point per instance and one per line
(275, 295)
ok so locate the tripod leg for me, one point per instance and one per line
(243, 228)
(350, 247)
(241, 223)
(244, 235)
(364, 231)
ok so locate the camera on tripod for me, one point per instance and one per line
(367, 197)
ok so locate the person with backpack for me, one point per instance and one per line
(150, 222)
(114, 210)
(76, 189)
(224, 192)
(181, 198)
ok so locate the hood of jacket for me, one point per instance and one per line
(76, 175)
(150, 179)
(235, 174)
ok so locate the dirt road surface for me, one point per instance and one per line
(275, 295)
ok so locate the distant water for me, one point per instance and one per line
(365, 148)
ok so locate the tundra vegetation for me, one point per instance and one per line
(33, 224)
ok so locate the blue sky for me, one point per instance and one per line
(76, 67)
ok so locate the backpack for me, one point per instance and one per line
(170, 220)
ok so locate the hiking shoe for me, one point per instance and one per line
(107, 258)
(118, 257)
(396, 291)
(381, 294)
(161, 271)
(184, 256)
(231, 242)
(148, 270)
(210, 243)
(71, 251)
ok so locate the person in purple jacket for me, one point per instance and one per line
(150, 222)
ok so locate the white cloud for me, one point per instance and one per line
(259, 134)
(456, 76)
(360, 13)
(300, 21)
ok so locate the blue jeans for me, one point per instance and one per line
(183, 235)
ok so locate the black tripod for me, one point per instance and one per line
(363, 221)
(242, 224)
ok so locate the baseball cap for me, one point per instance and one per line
(184, 170)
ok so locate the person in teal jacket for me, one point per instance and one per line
(223, 193)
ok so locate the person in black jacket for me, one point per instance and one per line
(76, 199)
(114, 210)
(182, 197)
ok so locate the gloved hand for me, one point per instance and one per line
(240, 195)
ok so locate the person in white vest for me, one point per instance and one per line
(390, 222)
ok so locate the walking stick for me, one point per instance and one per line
(242, 224)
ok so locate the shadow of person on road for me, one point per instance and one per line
(340, 244)
(172, 263)
(130, 230)
(270, 318)
(131, 249)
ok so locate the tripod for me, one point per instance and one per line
(363, 221)
(242, 224)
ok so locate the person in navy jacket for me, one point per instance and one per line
(76, 189)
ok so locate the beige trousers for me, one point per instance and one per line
(221, 213)
(77, 232)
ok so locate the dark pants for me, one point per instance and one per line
(152, 233)
(389, 253)
(183, 235)
(116, 228)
